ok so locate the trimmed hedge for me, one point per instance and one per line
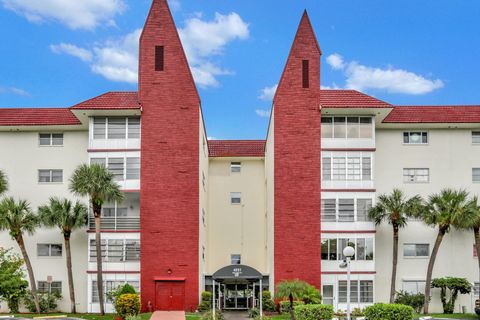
(285, 305)
(313, 312)
(128, 305)
(382, 311)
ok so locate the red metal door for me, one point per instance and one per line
(170, 295)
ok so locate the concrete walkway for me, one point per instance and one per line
(235, 315)
(168, 315)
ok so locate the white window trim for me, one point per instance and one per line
(416, 144)
(231, 198)
(51, 174)
(92, 135)
(350, 116)
(50, 251)
(124, 251)
(417, 182)
(416, 257)
(124, 157)
(473, 181)
(51, 145)
(346, 156)
(471, 138)
(354, 238)
(355, 198)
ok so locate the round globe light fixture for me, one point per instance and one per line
(349, 252)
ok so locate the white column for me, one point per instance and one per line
(261, 299)
(213, 304)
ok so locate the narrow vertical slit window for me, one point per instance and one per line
(305, 74)
(159, 58)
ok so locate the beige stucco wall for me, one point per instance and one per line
(237, 228)
(20, 158)
(450, 156)
(203, 202)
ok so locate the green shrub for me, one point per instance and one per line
(357, 312)
(455, 286)
(207, 296)
(47, 302)
(313, 312)
(415, 301)
(253, 313)
(311, 295)
(382, 311)
(118, 291)
(128, 304)
(285, 305)
(209, 315)
(267, 303)
(206, 303)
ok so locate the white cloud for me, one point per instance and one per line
(203, 40)
(15, 91)
(336, 61)
(361, 77)
(82, 54)
(263, 113)
(268, 93)
(116, 60)
(76, 14)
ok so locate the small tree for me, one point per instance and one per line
(17, 218)
(97, 183)
(455, 286)
(66, 216)
(291, 290)
(394, 209)
(13, 286)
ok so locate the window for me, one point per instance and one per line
(305, 74)
(50, 176)
(159, 58)
(347, 127)
(49, 250)
(360, 291)
(356, 167)
(413, 286)
(416, 175)
(236, 259)
(476, 289)
(476, 137)
(476, 174)
(110, 212)
(51, 139)
(235, 166)
(116, 128)
(415, 137)
(329, 210)
(345, 212)
(133, 128)
(54, 287)
(235, 197)
(363, 206)
(416, 250)
(332, 249)
(115, 166)
(117, 250)
(109, 286)
(102, 161)
(133, 168)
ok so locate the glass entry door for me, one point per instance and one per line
(236, 296)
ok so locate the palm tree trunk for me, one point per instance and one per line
(431, 263)
(394, 263)
(98, 247)
(71, 288)
(33, 284)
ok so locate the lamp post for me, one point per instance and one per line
(348, 252)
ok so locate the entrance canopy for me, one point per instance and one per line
(237, 272)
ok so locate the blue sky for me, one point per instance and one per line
(58, 53)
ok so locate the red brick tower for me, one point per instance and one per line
(297, 162)
(169, 198)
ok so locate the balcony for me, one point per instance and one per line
(124, 216)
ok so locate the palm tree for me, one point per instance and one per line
(291, 290)
(97, 183)
(394, 209)
(3, 182)
(67, 217)
(444, 210)
(17, 218)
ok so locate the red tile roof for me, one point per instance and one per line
(349, 99)
(236, 148)
(111, 100)
(434, 114)
(37, 117)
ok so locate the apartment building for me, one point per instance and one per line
(240, 214)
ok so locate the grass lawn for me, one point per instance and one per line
(452, 316)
